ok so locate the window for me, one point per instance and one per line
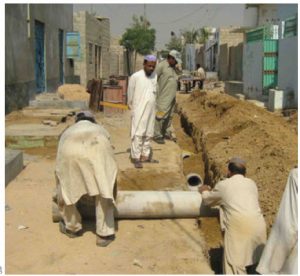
(90, 53)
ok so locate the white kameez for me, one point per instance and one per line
(85, 162)
(245, 228)
(141, 100)
(280, 255)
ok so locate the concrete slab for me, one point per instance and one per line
(21, 136)
(13, 164)
(52, 100)
(59, 104)
(36, 116)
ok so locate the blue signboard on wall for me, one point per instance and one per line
(73, 45)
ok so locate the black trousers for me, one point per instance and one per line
(200, 84)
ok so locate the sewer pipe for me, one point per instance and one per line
(147, 204)
(158, 204)
(194, 181)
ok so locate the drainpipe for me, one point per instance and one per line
(149, 205)
(158, 204)
(28, 21)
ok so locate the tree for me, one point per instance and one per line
(174, 43)
(204, 34)
(191, 36)
(139, 38)
(196, 35)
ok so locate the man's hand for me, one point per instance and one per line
(178, 67)
(203, 188)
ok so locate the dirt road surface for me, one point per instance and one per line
(141, 246)
(212, 127)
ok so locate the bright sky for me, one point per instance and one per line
(168, 17)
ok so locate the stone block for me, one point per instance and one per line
(275, 100)
(13, 164)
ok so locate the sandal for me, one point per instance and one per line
(138, 164)
(64, 230)
(104, 241)
(149, 160)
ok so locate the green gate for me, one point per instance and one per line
(270, 65)
(265, 34)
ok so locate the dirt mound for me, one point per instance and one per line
(223, 126)
(73, 92)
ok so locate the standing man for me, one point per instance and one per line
(167, 75)
(141, 100)
(280, 255)
(85, 164)
(200, 77)
(241, 217)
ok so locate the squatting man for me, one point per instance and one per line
(85, 164)
(240, 216)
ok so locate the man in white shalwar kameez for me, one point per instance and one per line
(241, 218)
(280, 255)
(85, 164)
(141, 100)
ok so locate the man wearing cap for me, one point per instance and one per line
(141, 100)
(85, 164)
(167, 76)
(240, 217)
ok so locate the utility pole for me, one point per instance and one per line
(145, 18)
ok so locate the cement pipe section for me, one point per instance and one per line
(158, 204)
(194, 181)
(147, 204)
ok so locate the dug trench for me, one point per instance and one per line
(194, 162)
(214, 127)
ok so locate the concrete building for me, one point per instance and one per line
(223, 53)
(230, 53)
(118, 58)
(94, 46)
(261, 14)
(270, 54)
(35, 59)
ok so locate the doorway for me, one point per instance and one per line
(61, 55)
(39, 56)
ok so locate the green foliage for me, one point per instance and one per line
(204, 34)
(191, 36)
(140, 37)
(174, 44)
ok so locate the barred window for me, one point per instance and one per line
(90, 53)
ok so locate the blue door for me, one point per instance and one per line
(61, 55)
(39, 57)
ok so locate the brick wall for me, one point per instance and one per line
(229, 39)
(94, 42)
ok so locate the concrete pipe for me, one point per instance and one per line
(145, 205)
(194, 181)
(158, 204)
(186, 154)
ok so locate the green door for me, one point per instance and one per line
(270, 65)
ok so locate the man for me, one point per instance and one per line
(85, 164)
(167, 75)
(141, 100)
(280, 255)
(240, 215)
(200, 77)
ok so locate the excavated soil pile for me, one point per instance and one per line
(73, 92)
(222, 127)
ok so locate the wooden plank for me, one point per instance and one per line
(115, 105)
